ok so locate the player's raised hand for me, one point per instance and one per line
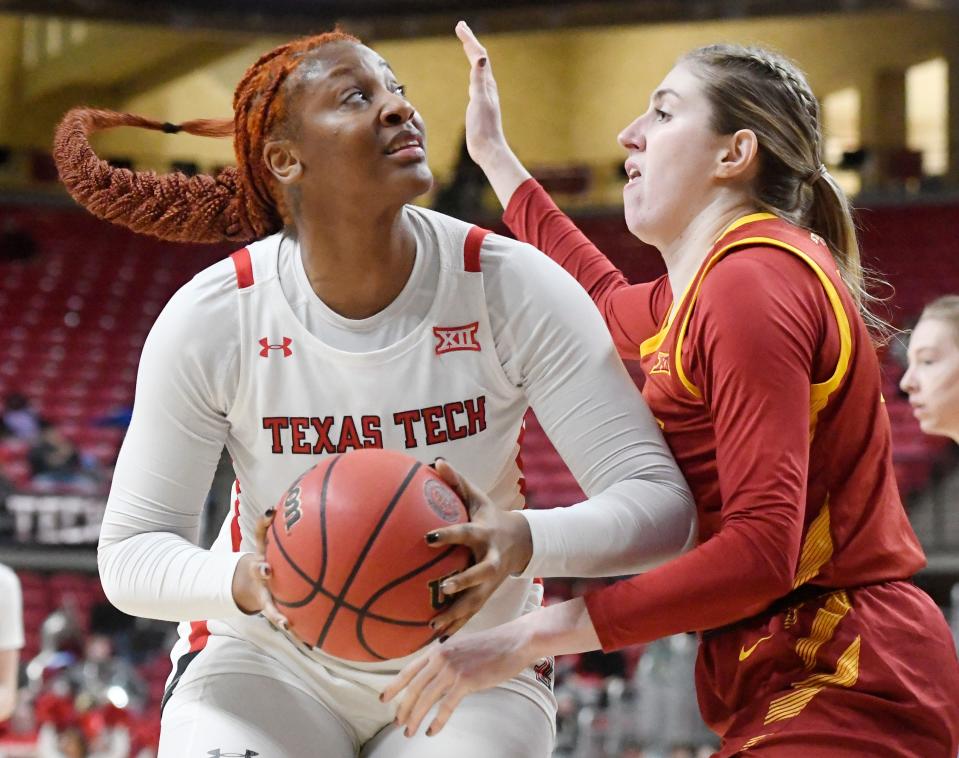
(501, 543)
(484, 121)
(250, 589)
(449, 672)
(485, 139)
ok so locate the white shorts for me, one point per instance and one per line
(216, 710)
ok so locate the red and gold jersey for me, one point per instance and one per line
(767, 387)
(854, 528)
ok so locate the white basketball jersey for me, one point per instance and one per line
(440, 391)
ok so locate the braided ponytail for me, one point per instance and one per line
(237, 205)
(172, 207)
(752, 88)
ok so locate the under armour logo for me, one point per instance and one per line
(217, 753)
(451, 338)
(267, 347)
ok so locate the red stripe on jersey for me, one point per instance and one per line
(471, 249)
(199, 634)
(235, 535)
(244, 268)
(521, 482)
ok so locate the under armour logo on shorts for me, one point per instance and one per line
(267, 347)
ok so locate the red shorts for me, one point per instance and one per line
(870, 671)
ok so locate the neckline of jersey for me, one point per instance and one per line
(406, 342)
(322, 310)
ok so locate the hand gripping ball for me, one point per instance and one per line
(351, 570)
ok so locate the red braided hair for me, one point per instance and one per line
(237, 205)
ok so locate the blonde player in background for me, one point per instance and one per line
(932, 377)
(356, 320)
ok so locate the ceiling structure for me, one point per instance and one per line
(385, 19)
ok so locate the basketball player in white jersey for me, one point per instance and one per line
(357, 320)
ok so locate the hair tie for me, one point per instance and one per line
(815, 175)
(169, 128)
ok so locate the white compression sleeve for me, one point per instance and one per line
(552, 340)
(149, 563)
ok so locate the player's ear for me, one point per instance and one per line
(283, 160)
(739, 156)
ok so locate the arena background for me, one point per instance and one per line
(78, 296)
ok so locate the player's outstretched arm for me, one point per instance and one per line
(472, 662)
(533, 216)
(485, 139)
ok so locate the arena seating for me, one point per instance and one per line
(75, 318)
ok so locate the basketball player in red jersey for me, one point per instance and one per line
(760, 369)
(355, 319)
(932, 378)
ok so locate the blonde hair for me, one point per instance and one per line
(945, 308)
(752, 88)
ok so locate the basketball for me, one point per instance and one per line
(351, 570)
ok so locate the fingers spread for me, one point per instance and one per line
(403, 678)
(465, 607)
(447, 706)
(462, 534)
(486, 571)
(415, 686)
(262, 526)
(273, 615)
(428, 697)
(449, 475)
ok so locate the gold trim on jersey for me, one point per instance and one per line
(846, 674)
(817, 548)
(819, 392)
(823, 627)
(753, 741)
(652, 344)
(747, 219)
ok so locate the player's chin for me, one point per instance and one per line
(409, 181)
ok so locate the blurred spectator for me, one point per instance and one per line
(60, 645)
(669, 719)
(56, 462)
(20, 419)
(932, 377)
(11, 639)
(463, 196)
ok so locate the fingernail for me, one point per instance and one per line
(407, 733)
(429, 732)
(482, 62)
(382, 695)
(432, 625)
(432, 538)
(284, 625)
(269, 512)
(444, 638)
(447, 588)
(265, 570)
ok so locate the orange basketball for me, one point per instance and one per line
(351, 569)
